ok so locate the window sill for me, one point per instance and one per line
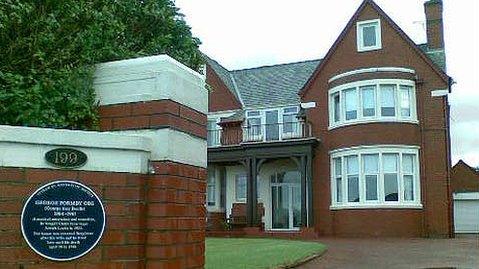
(366, 121)
(377, 206)
(365, 49)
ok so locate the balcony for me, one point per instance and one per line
(261, 133)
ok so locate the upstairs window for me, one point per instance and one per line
(369, 35)
(378, 100)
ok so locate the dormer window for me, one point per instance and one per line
(369, 35)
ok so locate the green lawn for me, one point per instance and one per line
(255, 253)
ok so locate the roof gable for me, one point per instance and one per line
(352, 23)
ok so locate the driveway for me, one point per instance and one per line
(462, 252)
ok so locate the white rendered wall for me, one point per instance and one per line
(264, 187)
(150, 78)
(26, 147)
(173, 145)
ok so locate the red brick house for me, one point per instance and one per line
(354, 144)
(465, 188)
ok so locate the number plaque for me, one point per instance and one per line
(66, 158)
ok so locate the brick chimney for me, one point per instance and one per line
(434, 24)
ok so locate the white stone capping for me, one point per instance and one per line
(150, 78)
(372, 70)
(109, 152)
(173, 145)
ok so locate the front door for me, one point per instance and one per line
(272, 126)
(286, 202)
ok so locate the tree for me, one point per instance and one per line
(48, 49)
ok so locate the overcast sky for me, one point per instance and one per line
(250, 33)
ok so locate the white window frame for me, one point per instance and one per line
(377, 117)
(241, 200)
(211, 182)
(217, 130)
(262, 117)
(295, 131)
(380, 203)
(214, 173)
(359, 34)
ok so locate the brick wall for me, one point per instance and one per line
(434, 220)
(152, 221)
(153, 115)
(464, 178)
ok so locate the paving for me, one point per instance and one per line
(458, 253)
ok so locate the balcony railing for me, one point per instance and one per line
(259, 133)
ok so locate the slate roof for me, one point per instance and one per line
(274, 85)
(437, 56)
(280, 84)
(224, 74)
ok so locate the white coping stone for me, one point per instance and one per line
(173, 145)
(109, 152)
(150, 78)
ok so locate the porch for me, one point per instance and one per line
(261, 187)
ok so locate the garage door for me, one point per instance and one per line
(466, 212)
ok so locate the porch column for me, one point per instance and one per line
(251, 193)
(304, 216)
(309, 179)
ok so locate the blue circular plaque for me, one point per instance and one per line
(63, 220)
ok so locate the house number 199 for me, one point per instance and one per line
(66, 158)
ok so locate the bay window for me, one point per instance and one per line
(379, 100)
(375, 176)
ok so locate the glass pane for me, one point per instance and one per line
(390, 162)
(371, 187)
(272, 126)
(211, 195)
(254, 126)
(353, 189)
(351, 103)
(388, 102)
(390, 187)
(370, 163)
(368, 100)
(240, 187)
(296, 206)
(408, 188)
(352, 164)
(405, 101)
(280, 210)
(337, 106)
(369, 35)
(339, 190)
(408, 163)
(253, 113)
(288, 123)
(291, 110)
(291, 177)
(337, 166)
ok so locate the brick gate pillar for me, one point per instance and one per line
(160, 98)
